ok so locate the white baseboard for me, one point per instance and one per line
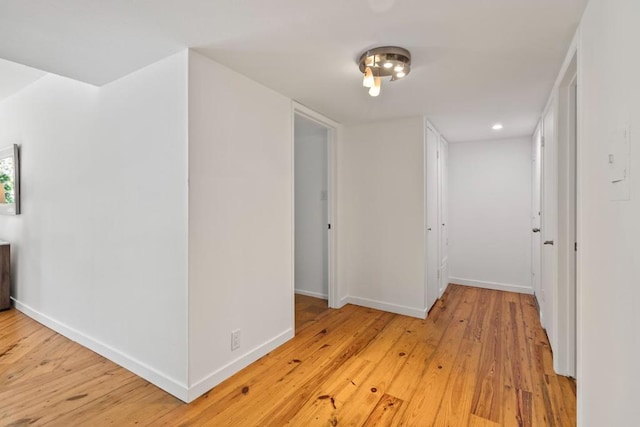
(385, 306)
(339, 304)
(491, 285)
(139, 368)
(311, 294)
(216, 377)
(442, 291)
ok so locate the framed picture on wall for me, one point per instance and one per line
(9, 180)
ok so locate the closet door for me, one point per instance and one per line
(432, 231)
(443, 173)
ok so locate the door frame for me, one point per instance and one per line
(333, 130)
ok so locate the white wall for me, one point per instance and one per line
(609, 231)
(489, 214)
(311, 214)
(381, 252)
(240, 221)
(100, 251)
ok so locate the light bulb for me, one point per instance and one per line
(368, 80)
(388, 65)
(497, 126)
(398, 68)
(375, 89)
(400, 74)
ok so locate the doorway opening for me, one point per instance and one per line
(313, 148)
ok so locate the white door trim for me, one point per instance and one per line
(334, 129)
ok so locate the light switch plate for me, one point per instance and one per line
(619, 163)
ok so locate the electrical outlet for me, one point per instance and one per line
(235, 339)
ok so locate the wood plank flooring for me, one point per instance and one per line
(480, 359)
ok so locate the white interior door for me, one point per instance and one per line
(549, 225)
(573, 228)
(443, 172)
(431, 200)
(573, 156)
(565, 321)
(536, 241)
(311, 208)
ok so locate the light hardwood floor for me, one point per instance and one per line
(480, 359)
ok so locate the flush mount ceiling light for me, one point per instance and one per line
(387, 61)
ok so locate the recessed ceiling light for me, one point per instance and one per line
(497, 126)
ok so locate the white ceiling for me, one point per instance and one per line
(475, 62)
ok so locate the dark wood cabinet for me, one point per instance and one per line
(5, 275)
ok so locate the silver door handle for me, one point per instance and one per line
(549, 242)
(536, 230)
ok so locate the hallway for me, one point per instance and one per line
(481, 358)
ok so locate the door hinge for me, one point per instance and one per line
(575, 246)
(329, 226)
(542, 141)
